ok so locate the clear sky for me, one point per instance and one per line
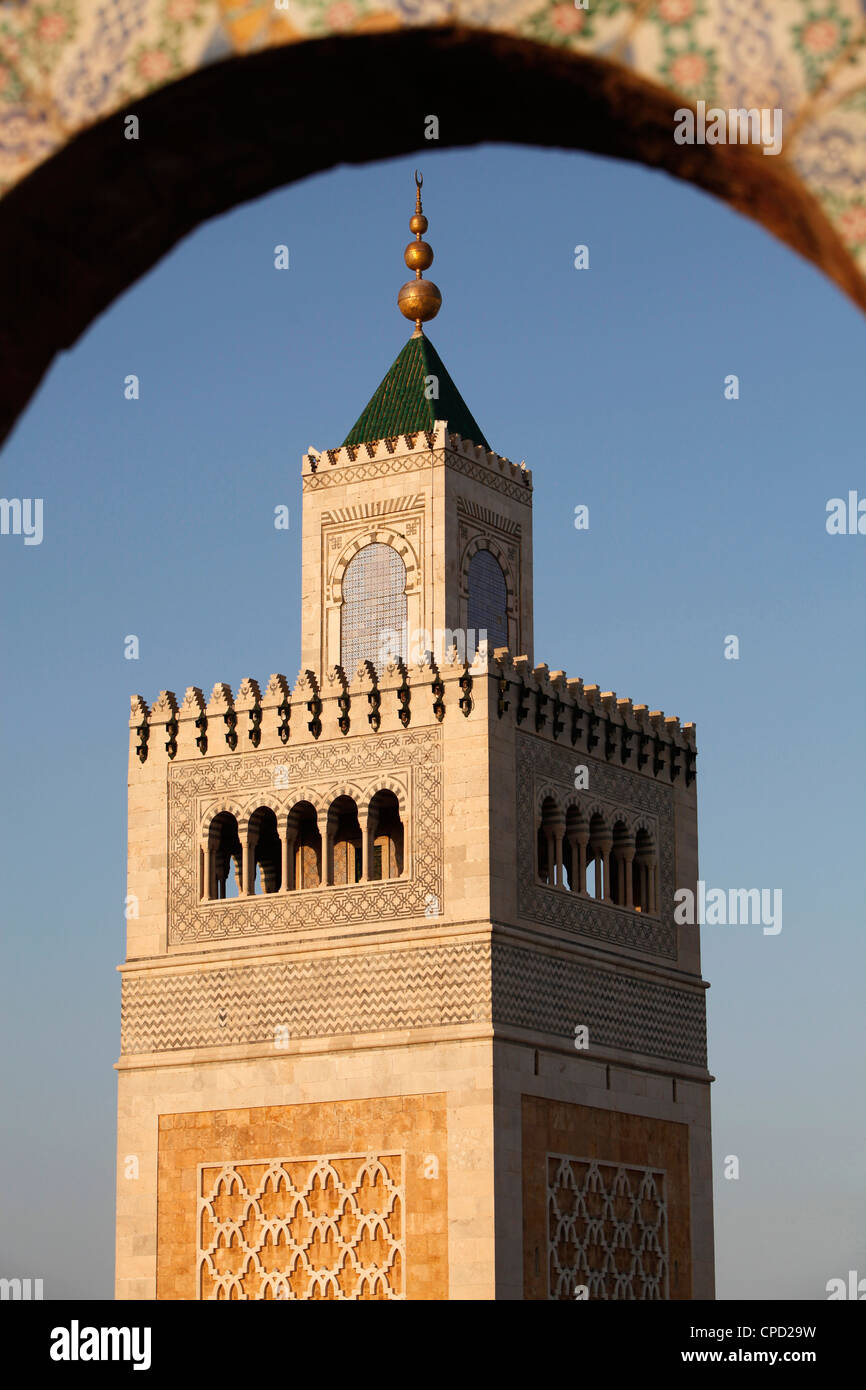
(707, 519)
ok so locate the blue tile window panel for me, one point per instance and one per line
(373, 620)
(488, 600)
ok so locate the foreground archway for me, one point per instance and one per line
(97, 214)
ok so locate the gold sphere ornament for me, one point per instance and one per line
(419, 299)
(418, 255)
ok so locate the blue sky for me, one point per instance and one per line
(707, 518)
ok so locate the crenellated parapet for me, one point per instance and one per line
(333, 705)
(320, 467)
(593, 721)
(314, 708)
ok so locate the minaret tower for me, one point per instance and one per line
(353, 497)
(406, 1012)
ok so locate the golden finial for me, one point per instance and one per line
(419, 299)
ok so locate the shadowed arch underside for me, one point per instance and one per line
(92, 219)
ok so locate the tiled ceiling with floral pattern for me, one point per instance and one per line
(67, 64)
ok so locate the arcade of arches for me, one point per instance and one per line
(597, 856)
(271, 854)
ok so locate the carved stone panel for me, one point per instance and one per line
(303, 1228)
(607, 1230)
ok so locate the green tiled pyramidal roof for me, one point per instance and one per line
(400, 405)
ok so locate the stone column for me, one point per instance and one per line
(247, 885)
(580, 842)
(328, 849)
(602, 842)
(626, 856)
(210, 878)
(577, 830)
(551, 852)
(285, 860)
(646, 866)
(367, 821)
(557, 827)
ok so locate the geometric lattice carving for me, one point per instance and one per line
(413, 757)
(540, 762)
(550, 994)
(607, 1228)
(303, 1228)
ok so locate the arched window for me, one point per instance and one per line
(266, 851)
(224, 857)
(344, 842)
(488, 600)
(385, 837)
(373, 617)
(305, 847)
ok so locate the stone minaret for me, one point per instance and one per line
(406, 1013)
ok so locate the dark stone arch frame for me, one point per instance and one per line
(92, 219)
